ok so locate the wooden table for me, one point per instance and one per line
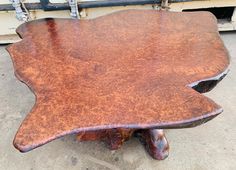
(130, 72)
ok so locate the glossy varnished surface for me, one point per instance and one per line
(131, 69)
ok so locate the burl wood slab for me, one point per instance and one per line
(130, 72)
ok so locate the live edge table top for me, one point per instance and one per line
(130, 69)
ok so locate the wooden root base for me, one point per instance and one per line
(155, 142)
(153, 139)
(114, 138)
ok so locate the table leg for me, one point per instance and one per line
(114, 138)
(155, 142)
(153, 139)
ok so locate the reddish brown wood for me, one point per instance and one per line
(132, 69)
(156, 143)
(114, 138)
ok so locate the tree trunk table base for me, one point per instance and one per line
(130, 73)
(156, 143)
(153, 139)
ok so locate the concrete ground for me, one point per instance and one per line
(211, 146)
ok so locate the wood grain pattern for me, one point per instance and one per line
(132, 69)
